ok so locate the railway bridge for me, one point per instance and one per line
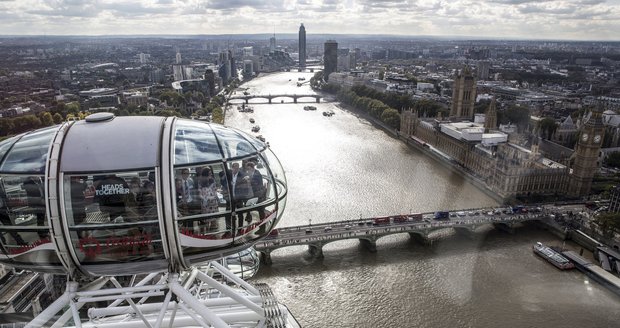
(418, 226)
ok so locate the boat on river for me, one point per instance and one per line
(552, 256)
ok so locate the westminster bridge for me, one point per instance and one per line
(418, 226)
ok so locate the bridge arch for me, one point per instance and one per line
(316, 98)
(277, 98)
(249, 100)
(236, 100)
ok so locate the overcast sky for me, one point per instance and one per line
(546, 19)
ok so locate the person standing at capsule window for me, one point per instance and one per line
(187, 186)
(5, 219)
(208, 194)
(78, 199)
(34, 192)
(242, 189)
(256, 182)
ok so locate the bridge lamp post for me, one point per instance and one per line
(310, 222)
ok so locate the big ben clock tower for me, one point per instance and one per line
(586, 155)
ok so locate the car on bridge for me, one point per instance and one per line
(400, 219)
(443, 215)
(381, 220)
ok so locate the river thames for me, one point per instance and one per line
(342, 167)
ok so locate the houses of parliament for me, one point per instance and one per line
(508, 169)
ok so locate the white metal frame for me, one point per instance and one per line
(191, 299)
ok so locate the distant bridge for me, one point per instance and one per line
(418, 226)
(270, 97)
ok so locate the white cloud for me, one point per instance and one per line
(494, 18)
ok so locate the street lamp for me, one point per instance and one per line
(309, 221)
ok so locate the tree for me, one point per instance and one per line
(26, 123)
(331, 88)
(316, 82)
(547, 127)
(391, 117)
(57, 118)
(217, 116)
(132, 108)
(613, 159)
(46, 119)
(6, 126)
(427, 107)
(515, 114)
(72, 107)
(199, 97)
(608, 222)
(482, 106)
(219, 100)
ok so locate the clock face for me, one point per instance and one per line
(584, 137)
(597, 138)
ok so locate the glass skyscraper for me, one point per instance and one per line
(302, 46)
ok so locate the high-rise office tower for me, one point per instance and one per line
(483, 70)
(233, 65)
(302, 46)
(330, 58)
(463, 94)
(225, 68)
(272, 43)
(178, 58)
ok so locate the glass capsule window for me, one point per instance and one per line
(203, 206)
(29, 153)
(225, 195)
(24, 226)
(236, 144)
(244, 264)
(194, 143)
(113, 216)
(5, 145)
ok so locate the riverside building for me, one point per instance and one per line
(330, 58)
(507, 170)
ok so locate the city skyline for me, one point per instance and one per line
(510, 19)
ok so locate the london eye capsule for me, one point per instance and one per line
(127, 195)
